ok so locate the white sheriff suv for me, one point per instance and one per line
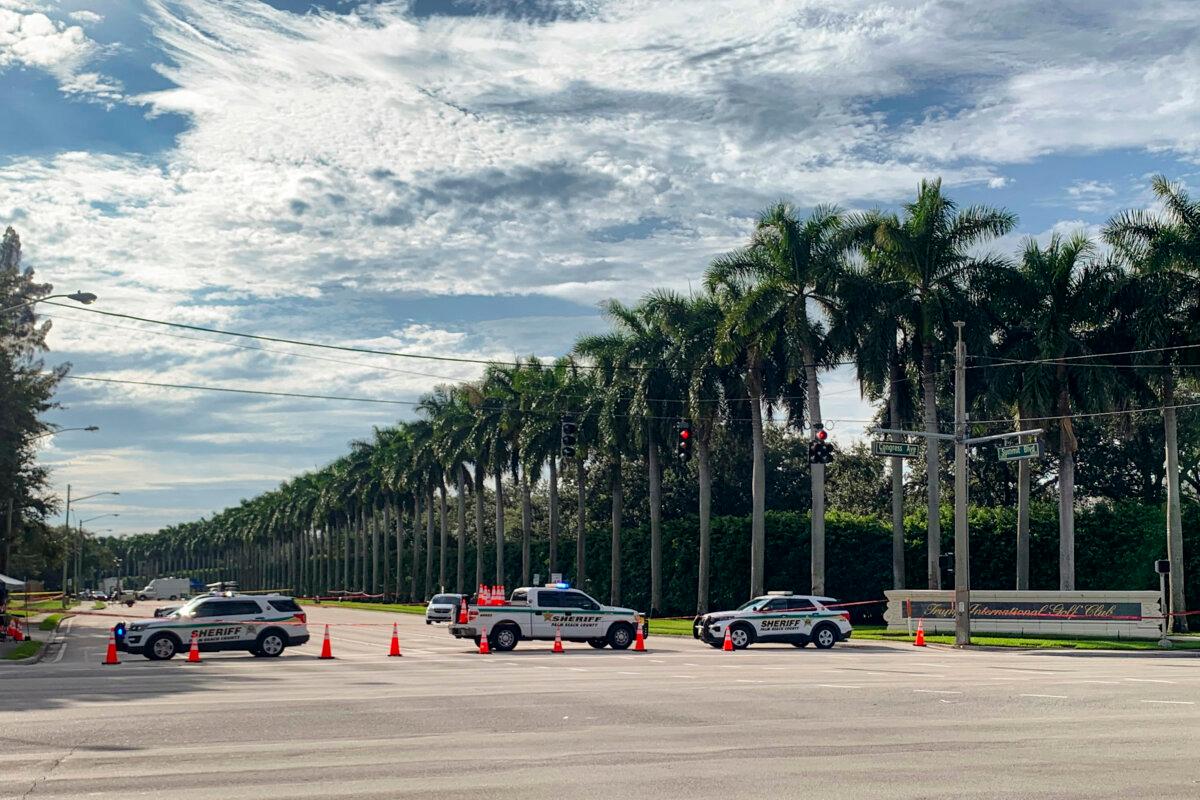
(261, 624)
(539, 612)
(795, 619)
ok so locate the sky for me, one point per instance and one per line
(472, 177)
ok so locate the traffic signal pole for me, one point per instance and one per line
(962, 560)
(962, 552)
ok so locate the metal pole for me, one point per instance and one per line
(66, 547)
(962, 561)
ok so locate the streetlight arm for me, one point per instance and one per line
(86, 298)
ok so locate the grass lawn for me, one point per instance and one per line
(51, 622)
(882, 633)
(35, 608)
(99, 605)
(671, 627)
(23, 650)
(391, 608)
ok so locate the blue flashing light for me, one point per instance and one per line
(119, 629)
(562, 585)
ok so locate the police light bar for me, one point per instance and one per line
(559, 585)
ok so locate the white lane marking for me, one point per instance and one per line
(629, 673)
(683, 676)
(744, 680)
(1104, 683)
(935, 691)
(1171, 702)
(657, 661)
(1148, 680)
(577, 669)
(62, 640)
(785, 668)
(838, 686)
(1052, 696)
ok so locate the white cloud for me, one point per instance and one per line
(86, 17)
(374, 153)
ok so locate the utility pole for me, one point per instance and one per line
(962, 560)
(66, 547)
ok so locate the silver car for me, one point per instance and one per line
(442, 608)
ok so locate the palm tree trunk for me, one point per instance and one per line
(418, 591)
(400, 551)
(898, 567)
(385, 546)
(427, 586)
(479, 524)
(374, 521)
(499, 482)
(817, 476)
(444, 532)
(655, 526)
(932, 476)
(758, 485)
(614, 590)
(1066, 487)
(581, 524)
(704, 473)
(526, 523)
(1174, 519)
(346, 556)
(553, 514)
(461, 548)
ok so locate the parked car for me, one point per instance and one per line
(442, 608)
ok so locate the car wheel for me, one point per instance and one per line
(620, 636)
(597, 643)
(271, 644)
(742, 636)
(141, 597)
(504, 638)
(825, 637)
(428, 622)
(161, 647)
(174, 597)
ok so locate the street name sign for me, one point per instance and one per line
(1015, 452)
(895, 449)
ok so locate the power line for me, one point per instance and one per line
(1009, 362)
(240, 391)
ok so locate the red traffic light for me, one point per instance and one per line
(822, 434)
(683, 434)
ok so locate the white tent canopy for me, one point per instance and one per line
(11, 581)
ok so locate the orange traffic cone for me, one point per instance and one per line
(484, 595)
(194, 650)
(558, 648)
(920, 640)
(639, 643)
(727, 645)
(326, 651)
(395, 651)
(483, 644)
(111, 656)
(462, 612)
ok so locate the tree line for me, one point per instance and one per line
(1067, 333)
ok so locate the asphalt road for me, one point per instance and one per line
(863, 720)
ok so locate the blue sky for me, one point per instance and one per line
(471, 177)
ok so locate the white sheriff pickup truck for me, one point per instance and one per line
(538, 612)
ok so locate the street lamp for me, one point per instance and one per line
(86, 298)
(67, 525)
(79, 547)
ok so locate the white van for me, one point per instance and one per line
(166, 589)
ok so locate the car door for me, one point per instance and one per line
(550, 614)
(222, 623)
(584, 620)
(771, 621)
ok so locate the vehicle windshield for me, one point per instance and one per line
(442, 599)
(752, 605)
(188, 606)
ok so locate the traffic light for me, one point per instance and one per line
(570, 431)
(683, 439)
(820, 451)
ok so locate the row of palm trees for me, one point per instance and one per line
(1065, 328)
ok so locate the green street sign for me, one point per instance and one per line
(1015, 452)
(895, 449)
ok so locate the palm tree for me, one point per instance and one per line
(497, 430)
(617, 435)
(1165, 252)
(789, 266)
(929, 251)
(689, 323)
(866, 322)
(1059, 301)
